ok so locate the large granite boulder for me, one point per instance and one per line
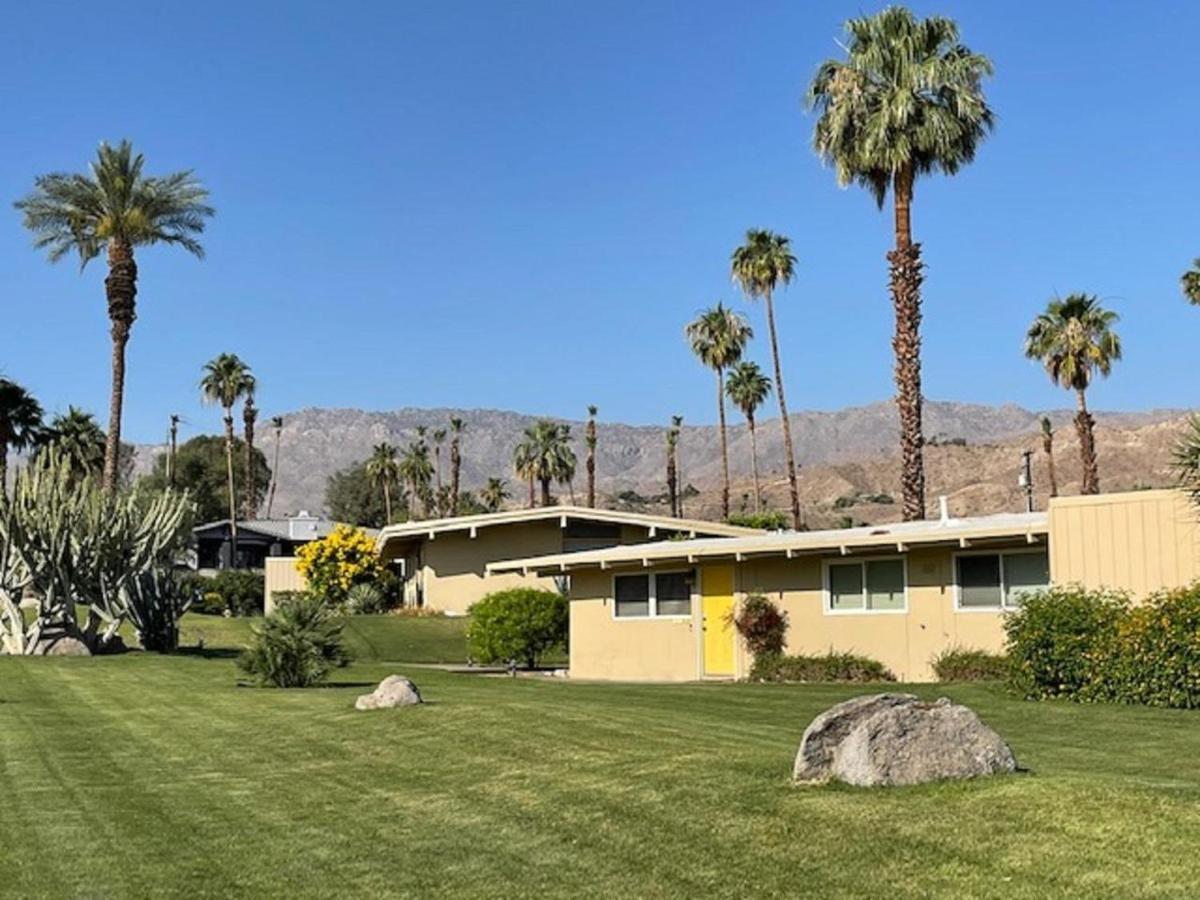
(61, 646)
(895, 739)
(395, 690)
(827, 731)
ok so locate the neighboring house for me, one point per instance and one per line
(899, 593)
(444, 561)
(258, 540)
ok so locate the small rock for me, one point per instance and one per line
(827, 731)
(63, 646)
(395, 690)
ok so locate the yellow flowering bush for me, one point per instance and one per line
(343, 558)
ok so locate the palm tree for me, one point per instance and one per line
(672, 471)
(80, 439)
(226, 380)
(759, 266)
(115, 208)
(545, 456)
(1190, 283)
(718, 336)
(173, 442)
(748, 387)
(456, 430)
(494, 493)
(277, 425)
(590, 440)
(384, 470)
(906, 101)
(1074, 340)
(439, 438)
(417, 470)
(249, 418)
(1048, 448)
(20, 424)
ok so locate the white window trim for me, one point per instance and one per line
(827, 594)
(653, 598)
(1011, 551)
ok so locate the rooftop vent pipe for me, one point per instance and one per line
(944, 506)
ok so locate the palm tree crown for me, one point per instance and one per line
(226, 380)
(494, 493)
(383, 468)
(1074, 339)
(20, 424)
(718, 336)
(1190, 283)
(763, 263)
(80, 440)
(545, 455)
(747, 388)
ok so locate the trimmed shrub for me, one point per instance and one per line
(231, 591)
(1058, 640)
(965, 664)
(767, 520)
(298, 645)
(762, 625)
(517, 626)
(847, 667)
(1155, 656)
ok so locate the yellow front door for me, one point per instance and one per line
(716, 595)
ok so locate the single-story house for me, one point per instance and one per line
(257, 540)
(444, 561)
(900, 593)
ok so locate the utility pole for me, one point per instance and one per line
(171, 452)
(1026, 478)
(277, 424)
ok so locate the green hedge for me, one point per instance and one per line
(1096, 646)
(234, 591)
(846, 667)
(517, 626)
(965, 664)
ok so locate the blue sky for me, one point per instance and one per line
(519, 205)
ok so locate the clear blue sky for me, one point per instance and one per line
(519, 205)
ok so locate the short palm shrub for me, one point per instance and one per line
(762, 625)
(845, 667)
(365, 598)
(298, 645)
(517, 626)
(1058, 641)
(965, 664)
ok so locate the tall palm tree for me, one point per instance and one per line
(748, 387)
(439, 438)
(759, 266)
(1190, 283)
(277, 426)
(80, 439)
(906, 101)
(383, 469)
(545, 456)
(524, 465)
(590, 441)
(417, 470)
(456, 430)
(172, 448)
(249, 418)
(1074, 339)
(115, 208)
(20, 424)
(1048, 449)
(677, 427)
(718, 336)
(672, 472)
(493, 494)
(225, 381)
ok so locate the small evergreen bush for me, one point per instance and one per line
(762, 625)
(234, 591)
(964, 664)
(517, 626)
(846, 667)
(298, 645)
(1155, 656)
(767, 520)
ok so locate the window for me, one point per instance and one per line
(652, 595)
(870, 585)
(997, 580)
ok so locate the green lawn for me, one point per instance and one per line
(151, 776)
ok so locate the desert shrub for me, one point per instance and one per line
(517, 625)
(1154, 657)
(767, 520)
(965, 664)
(343, 558)
(1058, 641)
(828, 667)
(241, 591)
(298, 645)
(155, 600)
(762, 625)
(365, 598)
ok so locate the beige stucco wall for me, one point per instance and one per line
(1140, 541)
(281, 575)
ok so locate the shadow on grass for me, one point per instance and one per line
(209, 652)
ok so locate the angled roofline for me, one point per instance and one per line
(1032, 528)
(429, 528)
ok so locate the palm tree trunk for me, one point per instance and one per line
(1048, 446)
(788, 449)
(274, 476)
(906, 277)
(591, 463)
(455, 471)
(1087, 446)
(546, 498)
(121, 289)
(3, 469)
(754, 462)
(233, 537)
(532, 504)
(672, 489)
(387, 502)
(724, 445)
(249, 413)
(437, 473)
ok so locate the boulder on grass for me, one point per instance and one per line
(61, 646)
(395, 690)
(895, 739)
(827, 731)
